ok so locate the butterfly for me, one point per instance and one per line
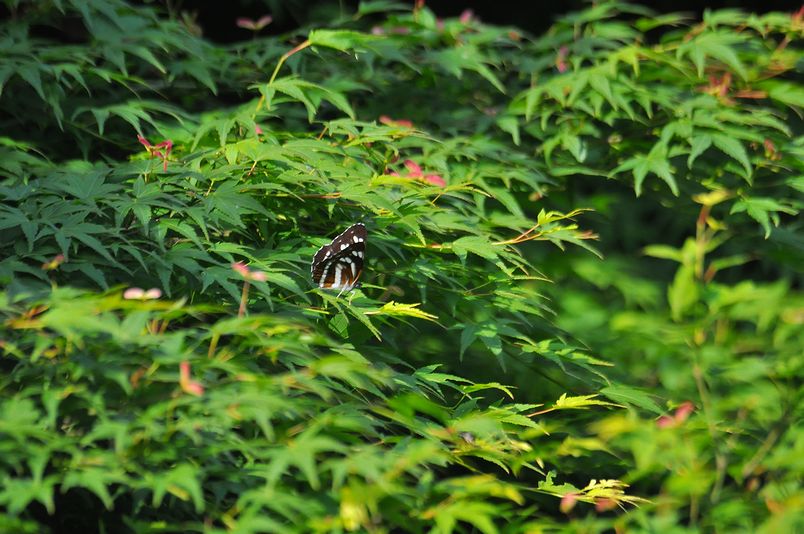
(338, 265)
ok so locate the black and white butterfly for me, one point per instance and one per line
(339, 264)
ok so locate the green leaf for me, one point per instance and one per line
(734, 149)
(489, 385)
(30, 73)
(659, 164)
(148, 56)
(18, 493)
(763, 210)
(286, 282)
(477, 513)
(510, 125)
(582, 401)
(628, 395)
(477, 245)
(342, 40)
(101, 115)
(397, 309)
(664, 252)
(699, 145)
(717, 45)
(182, 482)
(95, 480)
(683, 292)
(468, 336)
(655, 162)
(301, 452)
(787, 93)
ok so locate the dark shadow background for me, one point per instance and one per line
(217, 19)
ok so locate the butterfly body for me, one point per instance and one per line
(338, 265)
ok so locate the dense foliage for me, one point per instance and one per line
(581, 309)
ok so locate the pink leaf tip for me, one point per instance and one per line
(188, 385)
(135, 293)
(388, 121)
(568, 502)
(254, 25)
(561, 63)
(54, 263)
(435, 179)
(241, 269)
(604, 505)
(413, 167)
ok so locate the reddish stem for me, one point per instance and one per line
(242, 311)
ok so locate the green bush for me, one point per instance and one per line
(641, 375)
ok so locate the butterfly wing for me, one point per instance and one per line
(339, 264)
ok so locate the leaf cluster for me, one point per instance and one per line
(493, 370)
